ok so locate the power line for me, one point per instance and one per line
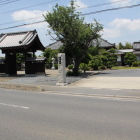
(77, 9)
(2, 4)
(131, 6)
(80, 15)
(20, 20)
(103, 4)
(28, 7)
(22, 25)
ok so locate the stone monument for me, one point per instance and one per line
(61, 70)
(53, 68)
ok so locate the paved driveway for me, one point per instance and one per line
(116, 79)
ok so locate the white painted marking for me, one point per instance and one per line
(16, 106)
(116, 89)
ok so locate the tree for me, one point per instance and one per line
(96, 62)
(129, 58)
(72, 31)
(128, 45)
(49, 54)
(120, 46)
(20, 58)
(109, 57)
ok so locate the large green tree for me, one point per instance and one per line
(72, 31)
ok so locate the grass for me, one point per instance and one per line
(123, 67)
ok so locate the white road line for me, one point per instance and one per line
(116, 89)
(16, 106)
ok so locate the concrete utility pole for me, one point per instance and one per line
(61, 70)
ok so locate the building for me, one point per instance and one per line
(26, 42)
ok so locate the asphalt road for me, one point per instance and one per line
(42, 116)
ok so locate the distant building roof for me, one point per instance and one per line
(136, 45)
(101, 42)
(125, 51)
(22, 39)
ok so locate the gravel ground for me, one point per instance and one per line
(40, 80)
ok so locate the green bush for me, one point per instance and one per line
(70, 67)
(69, 73)
(56, 66)
(130, 58)
(103, 67)
(48, 65)
(135, 64)
(84, 67)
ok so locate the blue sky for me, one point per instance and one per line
(119, 26)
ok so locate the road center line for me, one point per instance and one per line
(16, 106)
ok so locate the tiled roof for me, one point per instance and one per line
(101, 42)
(17, 39)
(36, 59)
(55, 45)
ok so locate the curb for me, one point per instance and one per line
(21, 87)
(94, 95)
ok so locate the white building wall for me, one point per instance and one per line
(119, 58)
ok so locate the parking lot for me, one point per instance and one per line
(116, 79)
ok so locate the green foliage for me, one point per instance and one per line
(20, 58)
(56, 66)
(109, 58)
(93, 51)
(126, 46)
(96, 62)
(129, 58)
(49, 54)
(70, 67)
(103, 67)
(72, 31)
(69, 73)
(135, 64)
(84, 67)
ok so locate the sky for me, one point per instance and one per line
(121, 25)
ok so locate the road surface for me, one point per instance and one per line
(42, 116)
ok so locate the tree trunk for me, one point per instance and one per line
(76, 68)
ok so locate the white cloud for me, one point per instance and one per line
(80, 4)
(35, 16)
(122, 27)
(123, 2)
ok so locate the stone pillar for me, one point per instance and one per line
(61, 70)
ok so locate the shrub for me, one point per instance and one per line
(135, 64)
(48, 65)
(130, 58)
(56, 66)
(69, 73)
(70, 67)
(103, 67)
(84, 67)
